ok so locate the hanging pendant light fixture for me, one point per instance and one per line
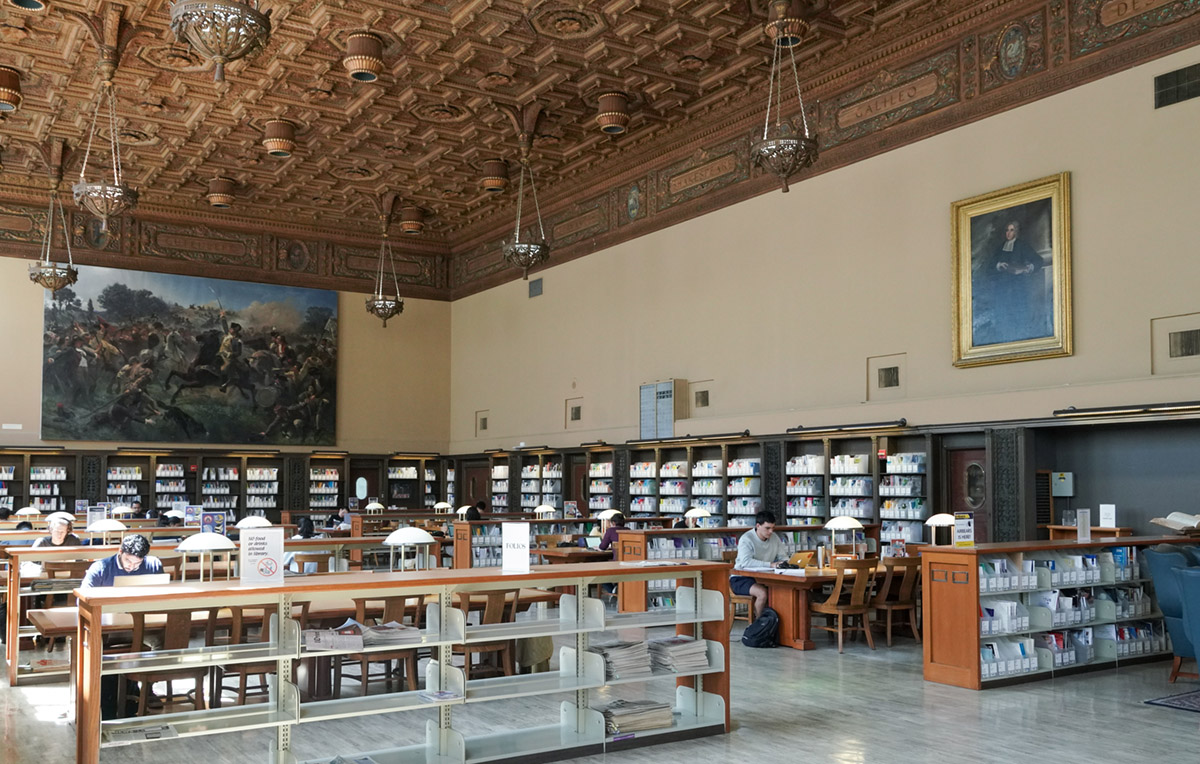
(786, 147)
(223, 30)
(46, 272)
(103, 199)
(527, 254)
(380, 305)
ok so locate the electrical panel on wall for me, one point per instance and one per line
(660, 404)
(1062, 484)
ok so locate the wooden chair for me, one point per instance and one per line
(395, 609)
(176, 635)
(848, 600)
(239, 634)
(320, 559)
(736, 601)
(895, 596)
(498, 606)
(60, 569)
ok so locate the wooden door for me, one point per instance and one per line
(967, 481)
(575, 489)
(371, 475)
(476, 483)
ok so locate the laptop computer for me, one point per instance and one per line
(593, 542)
(146, 579)
(802, 559)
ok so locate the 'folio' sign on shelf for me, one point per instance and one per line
(515, 537)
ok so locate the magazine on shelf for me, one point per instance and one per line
(140, 734)
(439, 696)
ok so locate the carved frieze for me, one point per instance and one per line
(201, 244)
(1096, 24)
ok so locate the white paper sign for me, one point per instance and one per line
(1108, 515)
(261, 555)
(515, 537)
(1083, 524)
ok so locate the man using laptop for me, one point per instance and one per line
(133, 559)
(757, 548)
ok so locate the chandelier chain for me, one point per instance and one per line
(536, 207)
(91, 134)
(771, 89)
(112, 127)
(799, 92)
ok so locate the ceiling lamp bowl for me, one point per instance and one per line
(495, 176)
(53, 276)
(279, 138)
(364, 56)
(105, 200)
(46, 272)
(784, 151)
(613, 116)
(220, 192)
(412, 220)
(222, 30)
(385, 306)
(788, 28)
(10, 89)
(28, 5)
(526, 254)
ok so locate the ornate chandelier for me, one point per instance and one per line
(223, 30)
(785, 148)
(527, 254)
(103, 199)
(382, 305)
(51, 275)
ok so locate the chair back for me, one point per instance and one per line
(320, 559)
(176, 630)
(851, 590)
(1166, 586)
(498, 606)
(1189, 590)
(729, 555)
(66, 568)
(909, 570)
(172, 565)
(398, 608)
(242, 617)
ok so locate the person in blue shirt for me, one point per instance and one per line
(133, 559)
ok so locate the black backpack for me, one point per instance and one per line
(764, 632)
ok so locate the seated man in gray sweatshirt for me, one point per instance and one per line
(757, 548)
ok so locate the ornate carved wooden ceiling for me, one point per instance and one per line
(695, 70)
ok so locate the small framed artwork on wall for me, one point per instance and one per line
(1012, 273)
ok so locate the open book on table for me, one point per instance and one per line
(1179, 521)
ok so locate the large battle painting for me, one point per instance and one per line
(134, 356)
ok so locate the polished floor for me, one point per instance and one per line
(861, 707)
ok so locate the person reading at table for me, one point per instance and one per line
(616, 524)
(758, 548)
(59, 524)
(133, 559)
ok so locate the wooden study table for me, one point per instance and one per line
(789, 596)
(568, 554)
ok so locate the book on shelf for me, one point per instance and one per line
(650, 563)
(439, 696)
(1179, 521)
(49, 664)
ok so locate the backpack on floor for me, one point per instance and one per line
(764, 632)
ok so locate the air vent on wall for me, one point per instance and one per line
(1043, 504)
(1176, 86)
(889, 376)
(1184, 344)
(535, 288)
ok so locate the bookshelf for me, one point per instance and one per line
(700, 611)
(643, 482)
(326, 482)
(12, 481)
(674, 489)
(743, 482)
(174, 481)
(221, 482)
(404, 481)
(904, 496)
(263, 478)
(853, 475)
(805, 471)
(541, 479)
(995, 614)
(53, 481)
(127, 479)
(601, 486)
(500, 476)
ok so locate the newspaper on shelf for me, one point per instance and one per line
(352, 635)
(624, 660)
(679, 654)
(623, 716)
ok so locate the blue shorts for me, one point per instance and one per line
(741, 584)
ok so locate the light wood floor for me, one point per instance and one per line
(861, 707)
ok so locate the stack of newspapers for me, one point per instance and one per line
(624, 660)
(623, 716)
(679, 654)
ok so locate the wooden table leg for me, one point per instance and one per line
(90, 652)
(791, 603)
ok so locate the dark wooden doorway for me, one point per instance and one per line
(576, 477)
(369, 472)
(966, 482)
(476, 483)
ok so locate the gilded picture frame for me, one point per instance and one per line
(1012, 273)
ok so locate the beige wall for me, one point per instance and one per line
(393, 383)
(781, 299)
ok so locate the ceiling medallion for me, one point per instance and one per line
(785, 148)
(532, 252)
(493, 80)
(568, 23)
(691, 63)
(52, 275)
(172, 57)
(440, 112)
(380, 305)
(222, 30)
(103, 199)
(354, 173)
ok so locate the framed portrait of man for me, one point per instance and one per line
(1012, 273)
